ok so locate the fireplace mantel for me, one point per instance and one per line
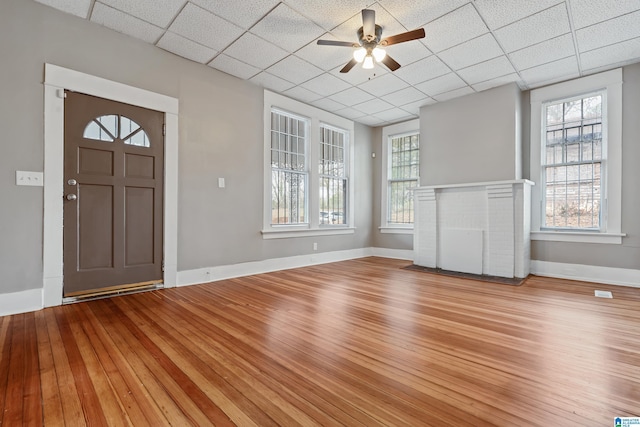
(480, 227)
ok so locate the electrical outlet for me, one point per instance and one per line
(34, 179)
(315, 246)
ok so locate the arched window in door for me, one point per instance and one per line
(110, 128)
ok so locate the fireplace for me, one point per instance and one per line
(480, 228)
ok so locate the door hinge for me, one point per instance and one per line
(162, 265)
(61, 94)
(164, 130)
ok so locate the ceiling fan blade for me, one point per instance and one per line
(349, 66)
(390, 63)
(369, 22)
(337, 43)
(403, 37)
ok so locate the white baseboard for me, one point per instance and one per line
(587, 273)
(21, 302)
(212, 274)
(393, 253)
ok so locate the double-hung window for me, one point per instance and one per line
(573, 164)
(308, 190)
(289, 171)
(400, 176)
(333, 175)
(576, 158)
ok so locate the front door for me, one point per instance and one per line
(113, 172)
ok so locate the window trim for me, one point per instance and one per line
(316, 117)
(611, 187)
(410, 127)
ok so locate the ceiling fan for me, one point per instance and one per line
(369, 49)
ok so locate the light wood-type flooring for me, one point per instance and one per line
(354, 343)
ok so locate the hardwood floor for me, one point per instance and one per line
(355, 343)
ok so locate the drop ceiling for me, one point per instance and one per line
(470, 46)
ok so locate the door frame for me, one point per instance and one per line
(56, 80)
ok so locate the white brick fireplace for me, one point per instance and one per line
(479, 228)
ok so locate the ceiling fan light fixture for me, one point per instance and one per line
(368, 62)
(379, 54)
(359, 54)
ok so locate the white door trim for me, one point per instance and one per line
(57, 79)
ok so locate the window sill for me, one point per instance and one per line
(287, 233)
(396, 230)
(578, 237)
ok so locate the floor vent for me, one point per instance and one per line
(603, 294)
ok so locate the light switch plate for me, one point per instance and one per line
(34, 179)
(220, 182)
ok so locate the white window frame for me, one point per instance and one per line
(611, 185)
(316, 117)
(345, 176)
(388, 133)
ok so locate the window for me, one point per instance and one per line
(109, 128)
(573, 162)
(333, 176)
(576, 141)
(308, 160)
(401, 174)
(289, 175)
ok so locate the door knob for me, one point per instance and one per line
(71, 197)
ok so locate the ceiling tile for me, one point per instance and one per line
(394, 115)
(500, 13)
(609, 32)
(414, 107)
(234, 67)
(457, 93)
(359, 75)
(620, 53)
(204, 27)
(499, 81)
(126, 24)
(185, 48)
(287, 29)
(350, 113)
(352, 96)
(271, 82)
(302, 94)
(383, 85)
(546, 51)
(255, 51)
(325, 57)
(404, 96)
(329, 14)
(454, 28)
(75, 7)
(416, 13)
(472, 52)
(487, 70)
(371, 120)
(328, 104)
(589, 12)
(441, 84)
(544, 25)
(326, 84)
(425, 69)
(157, 12)
(552, 72)
(295, 70)
(373, 106)
(245, 16)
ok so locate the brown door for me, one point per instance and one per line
(113, 168)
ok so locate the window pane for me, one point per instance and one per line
(103, 128)
(403, 177)
(333, 176)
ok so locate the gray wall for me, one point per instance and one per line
(626, 255)
(475, 138)
(220, 133)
